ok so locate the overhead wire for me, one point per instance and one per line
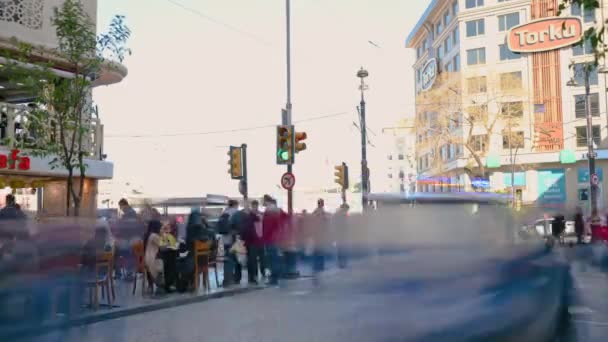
(242, 129)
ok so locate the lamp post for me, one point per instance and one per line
(362, 74)
(587, 69)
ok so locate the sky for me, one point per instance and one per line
(216, 65)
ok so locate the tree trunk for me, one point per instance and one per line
(69, 193)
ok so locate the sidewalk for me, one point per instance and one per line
(127, 304)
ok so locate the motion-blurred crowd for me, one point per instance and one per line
(44, 264)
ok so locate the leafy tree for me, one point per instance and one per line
(58, 123)
(594, 34)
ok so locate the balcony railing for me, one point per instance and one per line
(15, 121)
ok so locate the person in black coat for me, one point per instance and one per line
(579, 225)
(196, 230)
(558, 226)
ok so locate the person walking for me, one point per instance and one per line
(558, 226)
(250, 221)
(320, 238)
(228, 228)
(272, 223)
(341, 234)
(579, 225)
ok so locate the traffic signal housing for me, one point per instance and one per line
(236, 162)
(341, 175)
(285, 145)
(299, 144)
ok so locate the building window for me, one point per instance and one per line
(477, 113)
(580, 108)
(390, 157)
(512, 109)
(511, 80)
(581, 135)
(447, 45)
(440, 52)
(507, 21)
(477, 85)
(455, 7)
(456, 62)
(506, 54)
(473, 3)
(516, 140)
(456, 36)
(446, 17)
(588, 14)
(579, 74)
(479, 143)
(401, 157)
(438, 28)
(449, 67)
(476, 56)
(582, 49)
(475, 28)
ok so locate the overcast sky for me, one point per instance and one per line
(224, 68)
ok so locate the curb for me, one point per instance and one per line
(110, 315)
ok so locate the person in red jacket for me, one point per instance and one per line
(272, 225)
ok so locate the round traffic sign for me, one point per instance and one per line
(595, 180)
(288, 180)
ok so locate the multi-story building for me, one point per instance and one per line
(40, 187)
(543, 139)
(401, 165)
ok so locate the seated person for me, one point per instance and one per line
(152, 245)
(167, 239)
(100, 243)
(197, 230)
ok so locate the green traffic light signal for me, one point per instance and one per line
(284, 155)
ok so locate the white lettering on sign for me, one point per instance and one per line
(545, 34)
(429, 74)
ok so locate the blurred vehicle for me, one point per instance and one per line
(543, 227)
(488, 282)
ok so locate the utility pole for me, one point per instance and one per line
(362, 74)
(591, 151)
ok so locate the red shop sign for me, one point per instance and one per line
(14, 161)
(545, 34)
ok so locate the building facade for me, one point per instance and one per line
(41, 188)
(515, 119)
(401, 158)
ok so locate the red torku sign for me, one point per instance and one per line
(14, 161)
(545, 34)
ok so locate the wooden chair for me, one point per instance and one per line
(103, 273)
(138, 252)
(202, 257)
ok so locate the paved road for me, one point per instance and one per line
(394, 298)
(589, 297)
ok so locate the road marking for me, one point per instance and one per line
(582, 321)
(579, 310)
(300, 293)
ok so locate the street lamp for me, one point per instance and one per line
(362, 74)
(587, 69)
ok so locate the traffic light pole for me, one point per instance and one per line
(245, 184)
(288, 106)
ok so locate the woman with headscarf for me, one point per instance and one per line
(197, 229)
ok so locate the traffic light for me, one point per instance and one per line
(236, 162)
(342, 175)
(299, 144)
(285, 145)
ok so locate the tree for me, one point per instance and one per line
(61, 112)
(467, 111)
(594, 34)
